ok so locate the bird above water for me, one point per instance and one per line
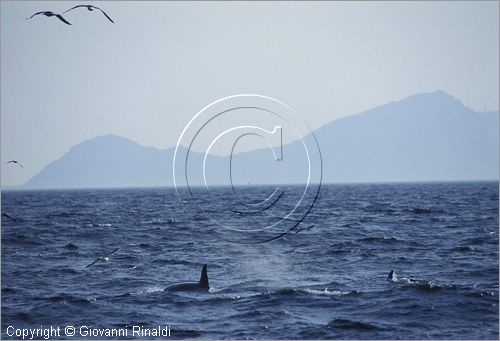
(104, 258)
(51, 14)
(16, 162)
(9, 217)
(90, 8)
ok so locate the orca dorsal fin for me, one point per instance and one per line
(204, 277)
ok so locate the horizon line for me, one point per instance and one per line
(389, 182)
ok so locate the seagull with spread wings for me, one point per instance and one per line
(104, 258)
(90, 8)
(51, 14)
(16, 162)
(9, 217)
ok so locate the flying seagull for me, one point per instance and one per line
(16, 162)
(90, 8)
(103, 258)
(305, 228)
(8, 217)
(51, 14)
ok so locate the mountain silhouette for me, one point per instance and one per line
(424, 137)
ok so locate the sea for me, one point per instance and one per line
(323, 277)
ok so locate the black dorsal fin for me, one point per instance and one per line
(204, 277)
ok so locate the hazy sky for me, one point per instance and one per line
(145, 76)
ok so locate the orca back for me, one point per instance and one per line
(202, 285)
(185, 287)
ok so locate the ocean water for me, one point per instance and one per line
(324, 279)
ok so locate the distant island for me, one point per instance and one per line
(424, 137)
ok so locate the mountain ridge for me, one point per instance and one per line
(423, 137)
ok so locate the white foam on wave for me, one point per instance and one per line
(150, 290)
(99, 225)
(326, 292)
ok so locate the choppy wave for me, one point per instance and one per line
(327, 283)
(64, 298)
(351, 324)
(309, 291)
